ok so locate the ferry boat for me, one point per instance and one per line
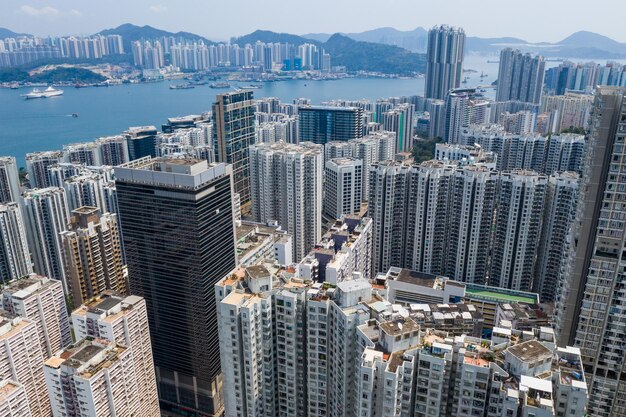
(251, 87)
(48, 92)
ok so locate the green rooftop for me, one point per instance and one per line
(500, 295)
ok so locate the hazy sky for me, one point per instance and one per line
(533, 20)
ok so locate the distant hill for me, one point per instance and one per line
(413, 40)
(319, 37)
(582, 45)
(59, 74)
(490, 45)
(268, 36)
(590, 40)
(369, 56)
(354, 55)
(131, 33)
(7, 33)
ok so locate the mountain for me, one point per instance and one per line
(584, 39)
(7, 33)
(414, 40)
(273, 37)
(582, 45)
(318, 37)
(131, 33)
(490, 45)
(369, 56)
(354, 55)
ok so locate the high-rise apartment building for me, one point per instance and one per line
(176, 217)
(123, 320)
(560, 210)
(113, 150)
(88, 189)
(343, 187)
(322, 124)
(374, 147)
(9, 180)
(519, 123)
(41, 300)
(82, 153)
(446, 47)
(233, 133)
(96, 377)
(37, 164)
(547, 155)
(292, 347)
(463, 107)
(93, 255)
(286, 183)
(521, 201)
(567, 111)
(400, 120)
(590, 298)
(520, 77)
(388, 203)
(22, 359)
(14, 255)
(46, 216)
(13, 399)
(470, 222)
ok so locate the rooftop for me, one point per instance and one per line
(7, 387)
(257, 271)
(530, 351)
(398, 327)
(483, 292)
(186, 173)
(23, 287)
(107, 303)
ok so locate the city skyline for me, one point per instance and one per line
(53, 17)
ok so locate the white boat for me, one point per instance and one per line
(48, 92)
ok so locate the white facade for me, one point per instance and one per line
(93, 379)
(343, 187)
(22, 359)
(123, 320)
(518, 225)
(113, 150)
(13, 399)
(548, 155)
(37, 164)
(87, 190)
(46, 216)
(271, 365)
(41, 300)
(286, 186)
(296, 348)
(87, 153)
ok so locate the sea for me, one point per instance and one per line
(48, 124)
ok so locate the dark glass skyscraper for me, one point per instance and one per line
(177, 221)
(322, 124)
(233, 133)
(141, 141)
(446, 46)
